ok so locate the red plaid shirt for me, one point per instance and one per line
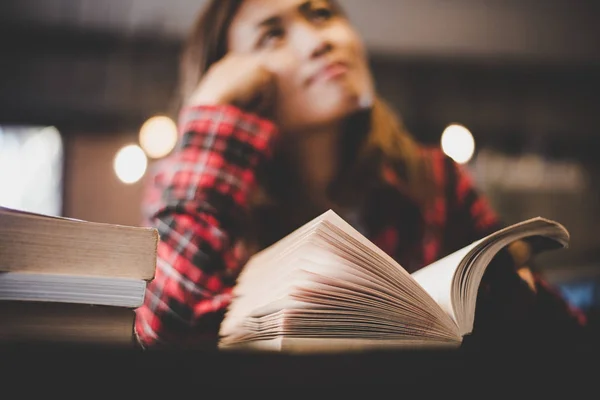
(197, 194)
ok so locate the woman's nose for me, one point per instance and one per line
(311, 42)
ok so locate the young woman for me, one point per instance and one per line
(281, 121)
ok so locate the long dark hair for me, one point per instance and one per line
(371, 139)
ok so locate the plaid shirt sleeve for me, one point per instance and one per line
(545, 303)
(196, 201)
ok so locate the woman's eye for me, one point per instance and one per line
(321, 14)
(270, 36)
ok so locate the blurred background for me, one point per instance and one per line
(510, 89)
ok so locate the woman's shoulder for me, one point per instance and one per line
(435, 154)
(441, 168)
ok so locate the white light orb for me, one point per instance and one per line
(458, 143)
(158, 136)
(130, 164)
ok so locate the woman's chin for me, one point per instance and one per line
(350, 105)
(347, 102)
(328, 109)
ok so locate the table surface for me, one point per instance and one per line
(198, 370)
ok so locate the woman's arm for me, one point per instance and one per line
(197, 203)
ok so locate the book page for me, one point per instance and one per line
(35, 322)
(454, 280)
(118, 292)
(325, 283)
(548, 234)
(436, 278)
(308, 345)
(35, 243)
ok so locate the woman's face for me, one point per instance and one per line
(318, 59)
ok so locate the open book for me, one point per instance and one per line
(326, 288)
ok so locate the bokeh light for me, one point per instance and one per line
(458, 143)
(130, 163)
(158, 136)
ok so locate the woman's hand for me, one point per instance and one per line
(239, 80)
(520, 251)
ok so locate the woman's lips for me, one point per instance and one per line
(329, 72)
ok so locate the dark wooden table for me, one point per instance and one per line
(202, 371)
